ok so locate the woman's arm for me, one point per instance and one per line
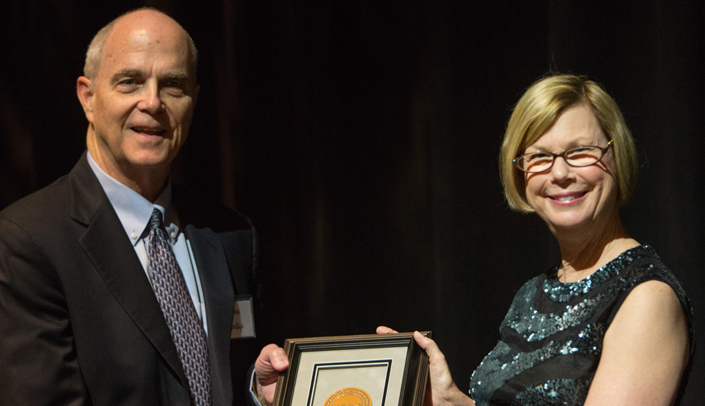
(644, 352)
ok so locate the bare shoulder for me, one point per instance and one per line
(650, 317)
(651, 301)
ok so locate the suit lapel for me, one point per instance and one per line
(219, 300)
(115, 260)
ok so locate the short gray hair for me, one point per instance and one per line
(94, 55)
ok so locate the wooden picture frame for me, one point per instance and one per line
(369, 370)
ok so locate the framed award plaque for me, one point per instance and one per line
(364, 370)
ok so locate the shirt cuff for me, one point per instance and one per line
(253, 390)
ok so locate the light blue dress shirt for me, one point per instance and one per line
(134, 212)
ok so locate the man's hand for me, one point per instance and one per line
(271, 361)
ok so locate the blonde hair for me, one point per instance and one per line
(94, 55)
(535, 113)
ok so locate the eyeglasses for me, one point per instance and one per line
(577, 157)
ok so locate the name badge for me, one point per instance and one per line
(243, 318)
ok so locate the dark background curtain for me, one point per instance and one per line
(361, 138)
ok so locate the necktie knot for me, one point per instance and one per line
(155, 220)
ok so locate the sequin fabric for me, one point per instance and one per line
(569, 390)
(551, 338)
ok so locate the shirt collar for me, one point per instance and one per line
(133, 209)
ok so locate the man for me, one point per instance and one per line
(115, 286)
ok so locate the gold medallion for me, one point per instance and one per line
(349, 397)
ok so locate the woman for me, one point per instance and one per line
(609, 325)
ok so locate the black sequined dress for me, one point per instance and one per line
(551, 338)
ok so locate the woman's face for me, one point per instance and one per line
(569, 198)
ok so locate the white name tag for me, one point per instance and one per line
(243, 318)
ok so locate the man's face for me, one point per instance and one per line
(143, 96)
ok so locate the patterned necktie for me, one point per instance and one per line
(179, 313)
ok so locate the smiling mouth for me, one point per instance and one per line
(567, 198)
(147, 130)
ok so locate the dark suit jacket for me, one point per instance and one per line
(79, 322)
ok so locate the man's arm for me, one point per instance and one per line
(38, 363)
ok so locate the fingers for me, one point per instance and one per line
(423, 342)
(274, 356)
(278, 358)
(272, 360)
(385, 330)
(430, 346)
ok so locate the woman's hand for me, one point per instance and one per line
(385, 330)
(440, 390)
